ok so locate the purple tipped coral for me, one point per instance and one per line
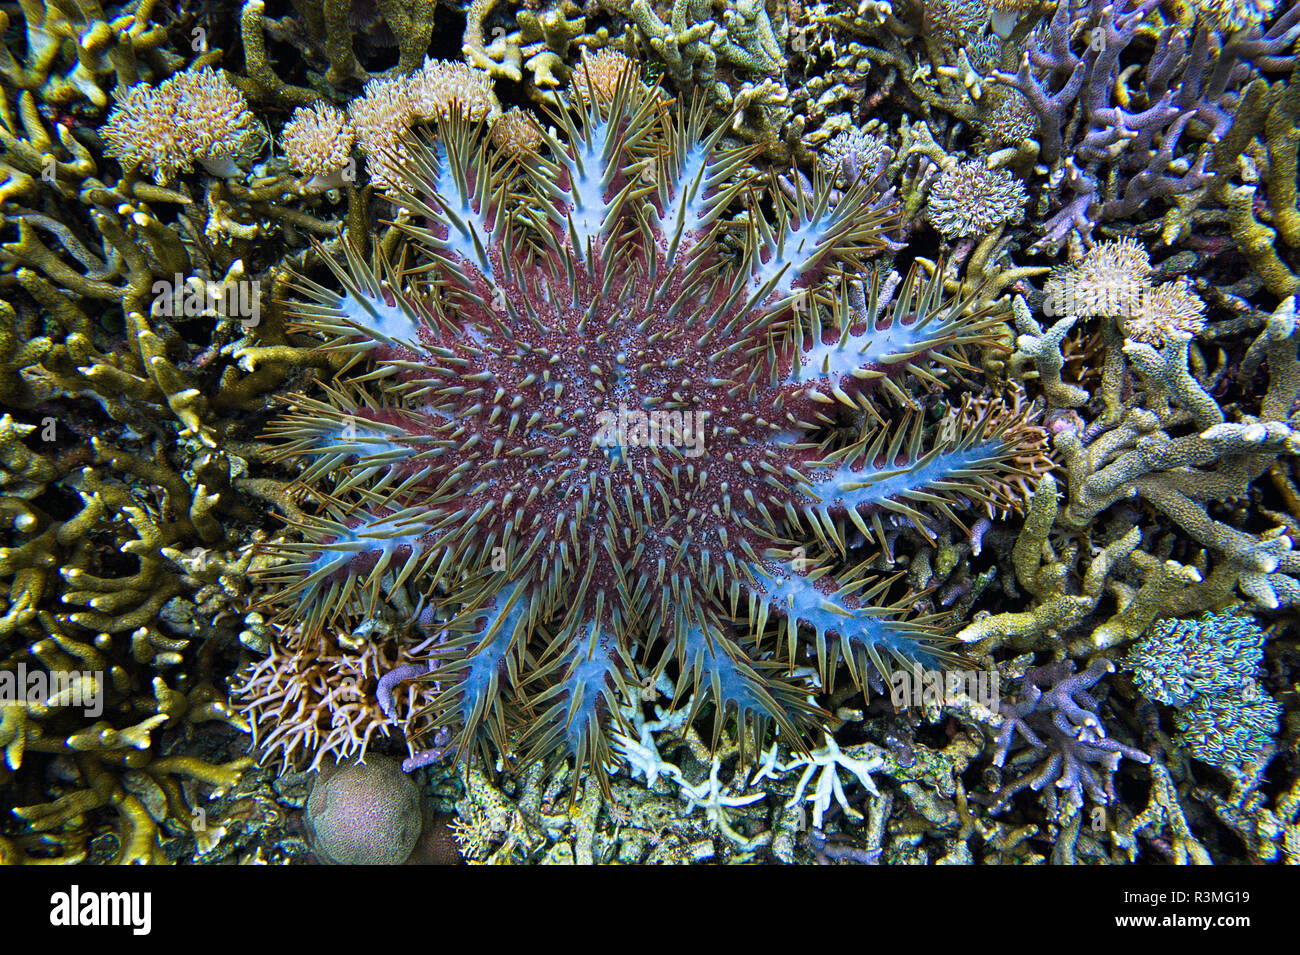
(1110, 153)
(1068, 749)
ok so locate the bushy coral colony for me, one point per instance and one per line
(650, 432)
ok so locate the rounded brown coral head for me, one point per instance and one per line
(364, 813)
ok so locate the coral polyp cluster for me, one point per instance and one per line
(194, 116)
(609, 435)
(318, 142)
(383, 117)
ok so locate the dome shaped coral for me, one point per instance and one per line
(364, 813)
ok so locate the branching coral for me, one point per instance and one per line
(125, 572)
(98, 53)
(1147, 451)
(692, 42)
(1271, 113)
(1058, 607)
(1164, 813)
(535, 45)
(1180, 475)
(120, 682)
(331, 32)
(1057, 718)
(1112, 152)
(824, 763)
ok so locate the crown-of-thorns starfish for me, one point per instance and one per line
(609, 432)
